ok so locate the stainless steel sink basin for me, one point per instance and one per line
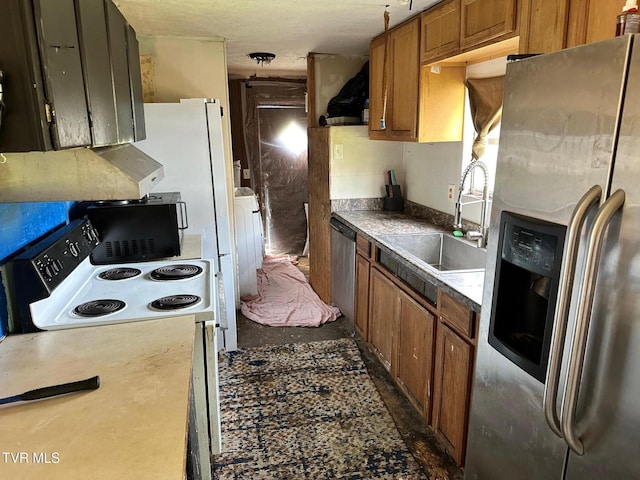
(441, 251)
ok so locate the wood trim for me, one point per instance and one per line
(311, 91)
(237, 127)
(363, 275)
(319, 212)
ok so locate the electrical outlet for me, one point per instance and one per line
(338, 151)
(451, 191)
(246, 174)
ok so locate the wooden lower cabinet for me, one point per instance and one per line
(429, 351)
(452, 390)
(363, 267)
(382, 317)
(415, 344)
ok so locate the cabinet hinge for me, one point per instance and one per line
(48, 111)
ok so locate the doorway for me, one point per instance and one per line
(275, 134)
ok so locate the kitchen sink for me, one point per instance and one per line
(439, 250)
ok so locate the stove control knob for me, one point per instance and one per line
(56, 266)
(47, 271)
(73, 249)
(93, 235)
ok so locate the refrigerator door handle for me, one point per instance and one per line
(561, 316)
(583, 318)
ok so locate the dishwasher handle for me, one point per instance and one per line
(338, 226)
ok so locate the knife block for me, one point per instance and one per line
(393, 202)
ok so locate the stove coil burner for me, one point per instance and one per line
(175, 302)
(98, 308)
(120, 273)
(175, 272)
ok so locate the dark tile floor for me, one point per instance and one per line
(419, 438)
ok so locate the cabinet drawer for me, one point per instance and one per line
(363, 246)
(456, 314)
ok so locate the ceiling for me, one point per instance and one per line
(288, 28)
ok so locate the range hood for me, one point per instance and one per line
(107, 173)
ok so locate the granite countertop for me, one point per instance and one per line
(134, 426)
(465, 287)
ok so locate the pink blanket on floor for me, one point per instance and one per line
(285, 298)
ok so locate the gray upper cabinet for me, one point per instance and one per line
(92, 26)
(62, 68)
(117, 27)
(71, 76)
(135, 79)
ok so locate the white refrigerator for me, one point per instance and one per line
(186, 138)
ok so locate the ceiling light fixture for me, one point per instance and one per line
(262, 57)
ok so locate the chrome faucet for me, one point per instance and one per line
(480, 236)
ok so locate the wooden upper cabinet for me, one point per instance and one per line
(484, 20)
(404, 45)
(551, 26)
(440, 31)
(591, 21)
(402, 80)
(543, 27)
(376, 75)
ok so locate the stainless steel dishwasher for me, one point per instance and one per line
(343, 268)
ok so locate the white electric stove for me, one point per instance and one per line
(53, 285)
(100, 295)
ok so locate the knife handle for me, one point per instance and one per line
(45, 392)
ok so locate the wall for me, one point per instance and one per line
(431, 167)
(361, 172)
(331, 73)
(189, 68)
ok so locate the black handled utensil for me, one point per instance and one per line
(45, 392)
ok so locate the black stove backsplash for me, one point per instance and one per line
(36, 272)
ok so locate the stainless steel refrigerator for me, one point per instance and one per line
(557, 381)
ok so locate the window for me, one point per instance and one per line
(475, 182)
(485, 81)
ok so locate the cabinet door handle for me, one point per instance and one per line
(589, 199)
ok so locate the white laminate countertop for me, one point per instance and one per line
(133, 427)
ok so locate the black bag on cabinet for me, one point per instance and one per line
(349, 102)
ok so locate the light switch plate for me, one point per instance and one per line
(338, 151)
(246, 174)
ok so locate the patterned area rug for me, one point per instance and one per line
(306, 411)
